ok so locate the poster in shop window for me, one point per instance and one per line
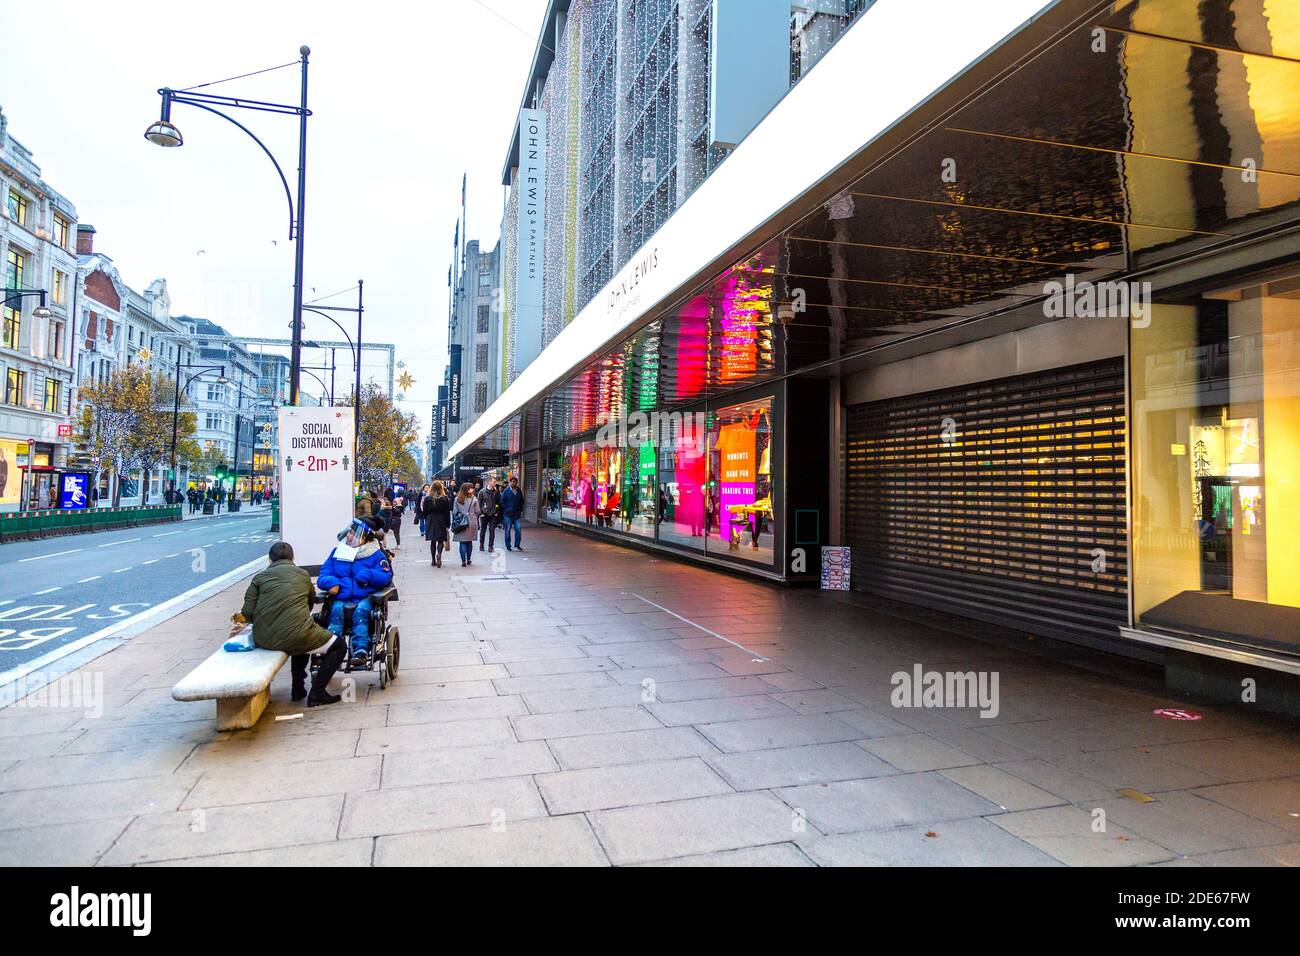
(316, 475)
(737, 451)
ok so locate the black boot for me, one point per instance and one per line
(298, 666)
(329, 663)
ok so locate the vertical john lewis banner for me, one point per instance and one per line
(526, 323)
(316, 476)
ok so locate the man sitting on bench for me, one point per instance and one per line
(354, 571)
(278, 603)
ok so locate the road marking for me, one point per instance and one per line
(166, 533)
(154, 561)
(47, 591)
(87, 580)
(135, 622)
(54, 555)
(120, 570)
(757, 656)
(115, 543)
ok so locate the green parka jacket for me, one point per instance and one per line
(278, 603)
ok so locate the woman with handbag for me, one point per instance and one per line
(464, 519)
(437, 520)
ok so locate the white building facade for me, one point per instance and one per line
(36, 352)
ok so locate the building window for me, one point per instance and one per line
(484, 280)
(216, 393)
(56, 341)
(12, 326)
(14, 386)
(15, 265)
(483, 312)
(14, 269)
(60, 288)
(1216, 394)
(17, 207)
(212, 422)
(61, 231)
(51, 395)
(480, 357)
(480, 397)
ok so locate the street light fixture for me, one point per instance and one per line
(41, 311)
(163, 132)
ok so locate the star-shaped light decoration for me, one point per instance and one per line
(144, 355)
(405, 381)
(402, 363)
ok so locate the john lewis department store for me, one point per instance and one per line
(1021, 327)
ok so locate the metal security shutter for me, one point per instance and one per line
(1000, 519)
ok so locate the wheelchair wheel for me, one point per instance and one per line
(383, 675)
(393, 657)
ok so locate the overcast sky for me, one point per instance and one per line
(406, 96)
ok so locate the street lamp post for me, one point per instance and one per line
(176, 400)
(356, 355)
(165, 133)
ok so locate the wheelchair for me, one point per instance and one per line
(385, 639)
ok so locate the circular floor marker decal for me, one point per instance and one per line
(1176, 713)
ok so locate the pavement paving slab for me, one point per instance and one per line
(545, 714)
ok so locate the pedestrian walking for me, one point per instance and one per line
(395, 518)
(384, 514)
(512, 513)
(488, 505)
(464, 518)
(437, 520)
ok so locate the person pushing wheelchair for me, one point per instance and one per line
(355, 570)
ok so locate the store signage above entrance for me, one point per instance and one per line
(484, 458)
(629, 287)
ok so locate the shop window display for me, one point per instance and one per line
(738, 503)
(552, 494)
(638, 491)
(697, 480)
(683, 484)
(1216, 463)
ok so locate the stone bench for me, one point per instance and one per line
(240, 683)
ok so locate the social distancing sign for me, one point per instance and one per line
(317, 472)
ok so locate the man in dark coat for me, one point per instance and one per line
(278, 604)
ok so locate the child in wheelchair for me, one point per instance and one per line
(355, 570)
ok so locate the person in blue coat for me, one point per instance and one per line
(355, 570)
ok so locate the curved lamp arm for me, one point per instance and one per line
(287, 193)
(340, 328)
